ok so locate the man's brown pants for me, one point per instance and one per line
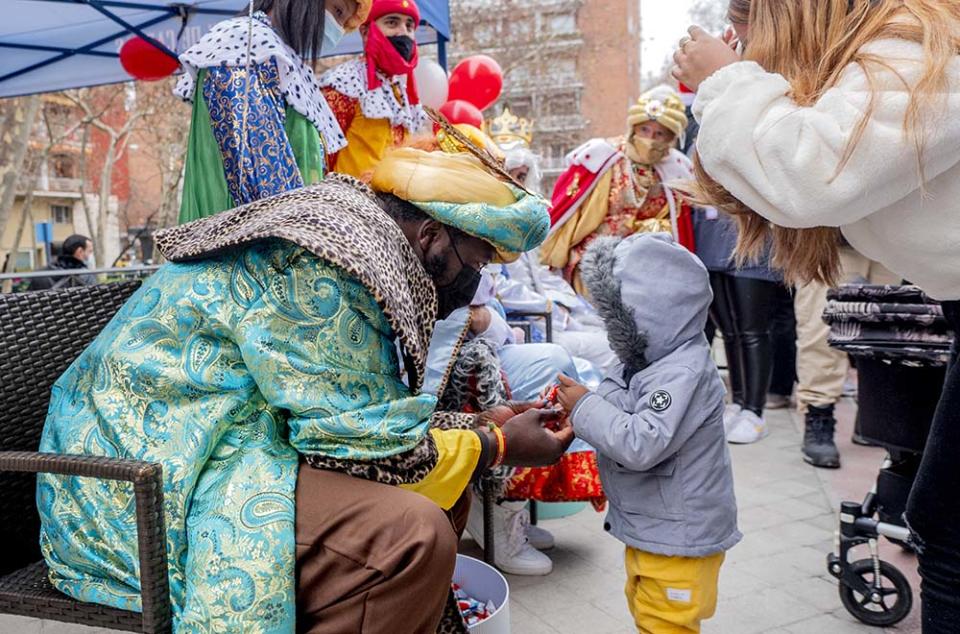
(371, 558)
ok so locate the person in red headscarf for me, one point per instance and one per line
(375, 98)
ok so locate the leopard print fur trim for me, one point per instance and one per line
(339, 221)
(445, 381)
(453, 420)
(408, 467)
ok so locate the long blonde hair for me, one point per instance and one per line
(811, 43)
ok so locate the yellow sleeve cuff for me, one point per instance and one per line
(459, 451)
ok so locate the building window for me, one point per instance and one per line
(556, 151)
(61, 214)
(521, 106)
(483, 34)
(562, 105)
(559, 24)
(63, 166)
(518, 75)
(24, 260)
(563, 68)
(521, 28)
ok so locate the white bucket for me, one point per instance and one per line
(485, 583)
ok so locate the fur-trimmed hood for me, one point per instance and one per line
(652, 293)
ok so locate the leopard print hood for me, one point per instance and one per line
(339, 221)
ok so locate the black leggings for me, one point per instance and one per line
(783, 339)
(933, 510)
(741, 309)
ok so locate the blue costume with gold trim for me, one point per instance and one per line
(259, 127)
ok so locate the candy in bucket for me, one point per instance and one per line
(472, 610)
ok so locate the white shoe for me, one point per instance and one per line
(540, 538)
(747, 428)
(513, 552)
(730, 414)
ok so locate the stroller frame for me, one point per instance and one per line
(859, 525)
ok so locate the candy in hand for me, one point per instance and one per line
(551, 396)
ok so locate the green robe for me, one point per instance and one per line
(283, 149)
(222, 370)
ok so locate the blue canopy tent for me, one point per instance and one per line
(49, 45)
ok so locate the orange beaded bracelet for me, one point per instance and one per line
(501, 447)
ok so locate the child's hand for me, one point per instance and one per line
(570, 392)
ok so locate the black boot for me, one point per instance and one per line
(818, 446)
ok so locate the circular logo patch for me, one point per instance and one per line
(660, 400)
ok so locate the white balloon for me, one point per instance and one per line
(432, 85)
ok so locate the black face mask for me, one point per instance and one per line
(404, 45)
(460, 291)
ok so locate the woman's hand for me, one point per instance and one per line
(569, 393)
(699, 56)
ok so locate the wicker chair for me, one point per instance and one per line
(41, 334)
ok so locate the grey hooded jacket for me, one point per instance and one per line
(657, 419)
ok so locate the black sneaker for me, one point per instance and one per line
(819, 449)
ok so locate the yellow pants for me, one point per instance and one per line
(671, 595)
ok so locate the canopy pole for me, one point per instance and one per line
(136, 30)
(79, 51)
(442, 50)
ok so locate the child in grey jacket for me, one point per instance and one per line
(657, 424)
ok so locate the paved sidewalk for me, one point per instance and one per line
(774, 581)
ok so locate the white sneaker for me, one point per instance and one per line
(513, 552)
(747, 428)
(540, 538)
(730, 414)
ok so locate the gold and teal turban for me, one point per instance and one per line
(457, 190)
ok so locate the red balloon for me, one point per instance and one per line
(143, 60)
(459, 111)
(477, 79)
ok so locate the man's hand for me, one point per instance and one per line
(502, 413)
(570, 393)
(530, 444)
(699, 56)
(479, 319)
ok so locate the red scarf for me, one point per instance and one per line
(382, 56)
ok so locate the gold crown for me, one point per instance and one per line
(508, 127)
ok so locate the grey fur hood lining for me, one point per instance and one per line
(652, 294)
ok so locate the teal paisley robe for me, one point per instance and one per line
(222, 370)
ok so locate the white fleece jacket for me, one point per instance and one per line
(781, 159)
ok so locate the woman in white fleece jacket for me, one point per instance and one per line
(847, 116)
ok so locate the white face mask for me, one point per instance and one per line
(332, 32)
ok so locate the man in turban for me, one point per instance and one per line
(621, 186)
(375, 98)
(306, 475)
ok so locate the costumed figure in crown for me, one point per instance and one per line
(260, 125)
(375, 98)
(622, 186)
(526, 285)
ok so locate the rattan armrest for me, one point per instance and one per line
(147, 479)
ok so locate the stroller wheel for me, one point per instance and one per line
(887, 605)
